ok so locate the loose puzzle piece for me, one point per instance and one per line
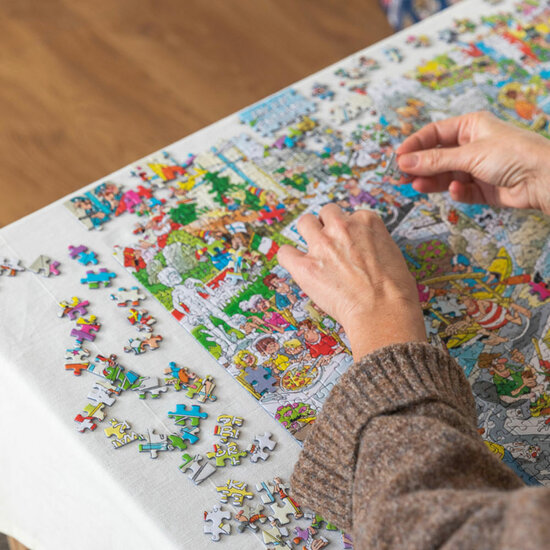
(237, 490)
(156, 443)
(268, 489)
(307, 536)
(263, 442)
(247, 516)
(118, 375)
(202, 389)
(125, 297)
(43, 266)
(85, 331)
(118, 430)
(84, 423)
(75, 360)
(140, 345)
(141, 319)
(275, 535)
(217, 527)
(189, 434)
(228, 430)
(95, 410)
(95, 280)
(81, 254)
(180, 377)
(11, 266)
(181, 415)
(289, 508)
(101, 393)
(317, 522)
(230, 452)
(150, 384)
(197, 472)
(74, 308)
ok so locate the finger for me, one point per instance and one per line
(330, 212)
(430, 184)
(467, 192)
(444, 133)
(308, 226)
(290, 258)
(437, 161)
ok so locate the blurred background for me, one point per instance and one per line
(88, 87)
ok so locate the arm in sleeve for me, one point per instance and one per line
(395, 458)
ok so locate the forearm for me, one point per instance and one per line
(395, 456)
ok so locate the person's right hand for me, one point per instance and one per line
(480, 159)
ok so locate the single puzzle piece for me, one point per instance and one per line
(288, 508)
(85, 332)
(41, 266)
(230, 452)
(202, 389)
(228, 428)
(118, 430)
(257, 451)
(317, 522)
(182, 414)
(125, 297)
(76, 251)
(268, 494)
(140, 345)
(124, 380)
(261, 380)
(190, 434)
(101, 393)
(180, 377)
(11, 266)
(155, 443)
(247, 516)
(275, 535)
(85, 423)
(150, 384)
(198, 472)
(307, 536)
(95, 410)
(141, 319)
(95, 280)
(81, 254)
(237, 490)
(217, 527)
(73, 308)
(75, 360)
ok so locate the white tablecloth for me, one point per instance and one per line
(61, 489)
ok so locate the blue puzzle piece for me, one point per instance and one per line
(93, 280)
(88, 258)
(189, 434)
(261, 380)
(181, 415)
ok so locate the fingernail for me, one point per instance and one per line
(408, 161)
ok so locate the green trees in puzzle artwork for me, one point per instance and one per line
(184, 213)
(220, 185)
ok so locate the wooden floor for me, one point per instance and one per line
(87, 87)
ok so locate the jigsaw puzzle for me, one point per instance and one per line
(208, 224)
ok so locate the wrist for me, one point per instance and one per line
(394, 322)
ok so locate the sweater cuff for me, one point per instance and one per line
(389, 380)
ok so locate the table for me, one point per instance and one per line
(60, 486)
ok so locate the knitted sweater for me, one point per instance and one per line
(395, 458)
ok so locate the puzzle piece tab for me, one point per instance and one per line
(125, 297)
(101, 278)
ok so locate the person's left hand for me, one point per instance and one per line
(356, 273)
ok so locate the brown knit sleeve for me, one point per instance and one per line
(395, 458)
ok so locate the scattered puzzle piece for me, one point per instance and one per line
(237, 490)
(275, 535)
(247, 517)
(155, 444)
(81, 254)
(41, 266)
(182, 414)
(150, 384)
(85, 423)
(141, 319)
(257, 451)
(230, 452)
(10, 265)
(198, 472)
(95, 280)
(228, 429)
(216, 527)
(118, 430)
(140, 345)
(101, 393)
(73, 308)
(202, 389)
(125, 297)
(95, 411)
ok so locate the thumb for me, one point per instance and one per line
(290, 258)
(439, 160)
